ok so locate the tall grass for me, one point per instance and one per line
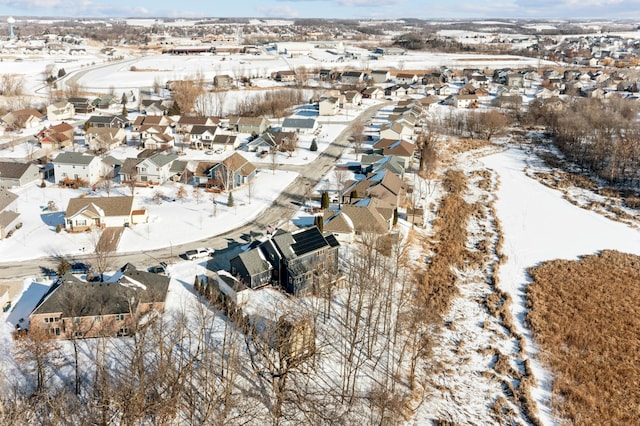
(584, 315)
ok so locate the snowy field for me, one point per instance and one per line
(539, 225)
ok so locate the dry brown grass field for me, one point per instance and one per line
(584, 316)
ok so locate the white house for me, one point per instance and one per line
(156, 169)
(89, 212)
(328, 106)
(76, 165)
(60, 111)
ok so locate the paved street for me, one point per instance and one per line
(227, 244)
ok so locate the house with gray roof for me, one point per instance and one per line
(75, 309)
(155, 169)
(8, 212)
(107, 121)
(251, 268)
(17, 175)
(77, 166)
(299, 125)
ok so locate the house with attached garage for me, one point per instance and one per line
(156, 137)
(154, 107)
(77, 166)
(107, 121)
(353, 77)
(200, 137)
(82, 105)
(251, 125)
(56, 137)
(328, 106)
(60, 111)
(23, 119)
(302, 262)
(8, 213)
(251, 268)
(233, 172)
(104, 139)
(299, 125)
(184, 124)
(17, 175)
(399, 148)
(382, 184)
(354, 219)
(76, 309)
(380, 76)
(153, 170)
(85, 213)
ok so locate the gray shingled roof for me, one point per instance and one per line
(299, 123)
(74, 158)
(6, 198)
(75, 298)
(254, 261)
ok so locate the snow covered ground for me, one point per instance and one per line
(539, 225)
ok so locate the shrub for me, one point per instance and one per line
(18, 225)
(58, 228)
(230, 201)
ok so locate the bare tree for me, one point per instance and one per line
(103, 249)
(357, 137)
(38, 351)
(106, 181)
(197, 194)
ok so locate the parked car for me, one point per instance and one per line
(198, 253)
(161, 268)
(80, 268)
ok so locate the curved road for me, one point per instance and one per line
(227, 244)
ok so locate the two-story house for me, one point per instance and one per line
(60, 111)
(77, 166)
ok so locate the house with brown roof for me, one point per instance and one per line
(82, 105)
(397, 147)
(223, 81)
(151, 120)
(56, 137)
(185, 123)
(156, 136)
(84, 213)
(23, 119)
(17, 175)
(151, 107)
(8, 212)
(200, 137)
(382, 184)
(351, 220)
(252, 125)
(373, 93)
(233, 171)
(104, 139)
(284, 76)
(76, 309)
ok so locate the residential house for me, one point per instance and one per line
(328, 106)
(352, 97)
(153, 170)
(382, 184)
(303, 260)
(82, 105)
(223, 81)
(284, 76)
(233, 171)
(152, 120)
(380, 76)
(400, 148)
(251, 268)
(462, 101)
(272, 139)
(105, 101)
(252, 125)
(406, 78)
(351, 220)
(353, 77)
(17, 175)
(232, 292)
(376, 162)
(56, 137)
(75, 309)
(299, 125)
(8, 212)
(116, 121)
(23, 119)
(60, 111)
(153, 107)
(396, 130)
(225, 141)
(85, 213)
(185, 123)
(105, 139)
(200, 137)
(77, 166)
(202, 175)
(373, 93)
(156, 137)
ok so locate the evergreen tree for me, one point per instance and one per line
(124, 99)
(230, 201)
(125, 113)
(174, 109)
(63, 267)
(61, 73)
(196, 285)
(395, 216)
(314, 145)
(324, 201)
(318, 221)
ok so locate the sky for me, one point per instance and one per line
(375, 9)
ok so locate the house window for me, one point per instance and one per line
(76, 320)
(97, 319)
(64, 174)
(81, 222)
(54, 331)
(78, 334)
(120, 317)
(123, 331)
